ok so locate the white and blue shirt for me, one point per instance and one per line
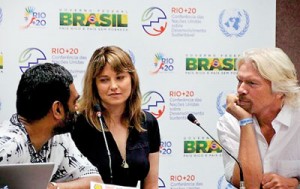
(16, 147)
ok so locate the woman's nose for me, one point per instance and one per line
(114, 85)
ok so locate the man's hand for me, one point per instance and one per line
(275, 181)
(234, 109)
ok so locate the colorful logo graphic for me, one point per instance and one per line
(1, 60)
(154, 21)
(201, 146)
(234, 22)
(162, 64)
(34, 18)
(210, 64)
(91, 19)
(30, 57)
(154, 103)
(161, 183)
(166, 147)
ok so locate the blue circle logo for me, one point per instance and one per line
(234, 22)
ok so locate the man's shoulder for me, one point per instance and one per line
(66, 137)
(13, 143)
(10, 132)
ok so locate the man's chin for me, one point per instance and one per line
(246, 107)
(59, 130)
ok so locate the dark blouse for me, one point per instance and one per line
(91, 143)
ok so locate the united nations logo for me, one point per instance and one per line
(1, 15)
(221, 102)
(234, 22)
(131, 54)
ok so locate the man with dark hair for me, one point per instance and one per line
(38, 132)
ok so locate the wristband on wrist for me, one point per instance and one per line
(246, 121)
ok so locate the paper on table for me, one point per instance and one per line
(95, 185)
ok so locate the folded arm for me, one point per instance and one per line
(273, 180)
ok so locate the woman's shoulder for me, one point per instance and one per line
(82, 124)
(149, 121)
(149, 116)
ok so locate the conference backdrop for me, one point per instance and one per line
(185, 53)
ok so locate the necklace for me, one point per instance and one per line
(124, 164)
(120, 143)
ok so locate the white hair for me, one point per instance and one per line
(274, 65)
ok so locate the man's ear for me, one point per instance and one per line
(280, 95)
(57, 110)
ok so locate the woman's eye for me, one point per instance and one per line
(103, 80)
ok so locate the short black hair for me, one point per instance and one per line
(39, 87)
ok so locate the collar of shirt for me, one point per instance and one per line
(283, 118)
